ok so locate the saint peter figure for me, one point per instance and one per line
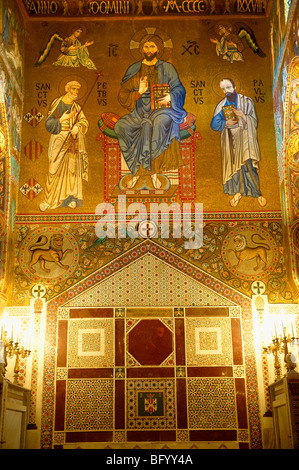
(68, 159)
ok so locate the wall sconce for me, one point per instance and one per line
(11, 345)
(279, 345)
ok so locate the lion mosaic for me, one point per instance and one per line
(246, 253)
(53, 254)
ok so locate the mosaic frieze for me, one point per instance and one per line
(128, 8)
(237, 253)
(108, 167)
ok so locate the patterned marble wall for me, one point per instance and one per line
(175, 372)
(150, 374)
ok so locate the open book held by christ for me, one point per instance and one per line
(158, 91)
(229, 112)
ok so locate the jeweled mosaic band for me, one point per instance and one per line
(92, 218)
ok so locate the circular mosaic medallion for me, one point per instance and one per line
(258, 287)
(39, 290)
(148, 229)
(250, 252)
(50, 253)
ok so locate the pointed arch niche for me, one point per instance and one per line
(146, 352)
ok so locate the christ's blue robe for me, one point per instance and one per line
(145, 133)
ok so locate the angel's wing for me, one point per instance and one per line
(44, 54)
(247, 33)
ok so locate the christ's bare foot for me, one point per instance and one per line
(156, 182)
(132, 182)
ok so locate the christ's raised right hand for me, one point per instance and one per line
(143, 85)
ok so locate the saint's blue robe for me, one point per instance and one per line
(239, 148)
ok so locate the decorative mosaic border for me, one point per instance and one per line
(284, 45)
(291, 172)
(161, 253)
(60, 218)
(5, 176)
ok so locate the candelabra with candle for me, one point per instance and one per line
(285, 339)
(280, 345)
(275, 349)
(12, 349)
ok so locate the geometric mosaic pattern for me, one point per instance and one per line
(90, 343)
(212, 403)
(158, 285)
(209, 341)
(151, 404)
(93, 409)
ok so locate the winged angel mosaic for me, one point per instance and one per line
(73, 52)
(231, 40)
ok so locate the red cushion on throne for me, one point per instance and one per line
(107, 122)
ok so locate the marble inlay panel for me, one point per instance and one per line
(211, 403)
(151, 404)
(208, 341)
(89, 404)
(90, 343)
